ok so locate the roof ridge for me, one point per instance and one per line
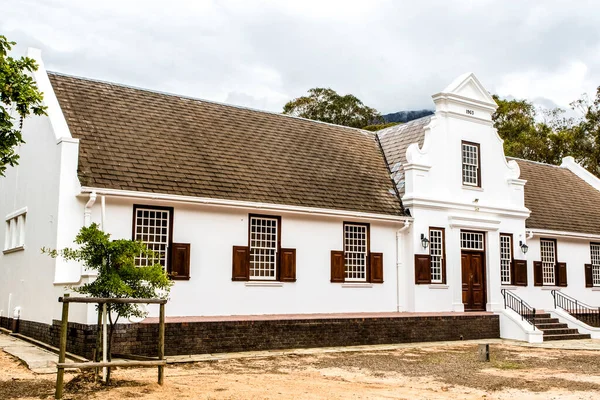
(402, 126)
(124, 85)
(534, 162)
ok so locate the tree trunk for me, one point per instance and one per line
(113, 325)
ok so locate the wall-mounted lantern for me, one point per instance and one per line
(524, 247)
(424, 241)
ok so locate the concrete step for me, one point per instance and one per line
(559, 331)
(566, 337)
(551, 326)
(546, 321)
(542, 315)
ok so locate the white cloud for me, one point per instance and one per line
(393, 55)
(561, 87)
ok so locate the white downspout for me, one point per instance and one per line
(529, 234)
(399, 260)
(103, 212)
(87, 212)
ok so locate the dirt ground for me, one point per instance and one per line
(449, 372)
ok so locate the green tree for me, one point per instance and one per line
(546, 138)
(117, 274)
(327, 105)
(20, 93)
(587, 145)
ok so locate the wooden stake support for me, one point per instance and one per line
(60, 373)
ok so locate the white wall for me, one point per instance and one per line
(27, 275)
(574, 252)
(436, 196)
(213, 231)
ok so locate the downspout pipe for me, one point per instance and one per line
(399, 263)
(102, 213)
(87, 212)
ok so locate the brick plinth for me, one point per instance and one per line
(199, 337)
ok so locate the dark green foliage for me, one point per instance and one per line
(379, 127)
(118, 276)
(327, 106)
(550, 136)
(19, 92)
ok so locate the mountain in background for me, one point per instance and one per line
(405, 116)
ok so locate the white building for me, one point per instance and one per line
(259, 213)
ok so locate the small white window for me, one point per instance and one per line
(14, 232)
(436, 251)
(505, 258)
(471, 240)
(548, 252)
(595, 248)
(264, 237)
(355, 251)
(152, 227)
(470, 164)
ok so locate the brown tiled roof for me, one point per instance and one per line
(396, 139)
(559, 200)
(134, 139)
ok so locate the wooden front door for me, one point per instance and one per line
(473, 280)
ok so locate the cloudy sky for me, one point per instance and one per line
(392, 54)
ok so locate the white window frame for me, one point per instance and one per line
(149, 238)
(263, 247)
(436, 253)
(506, 255)
(356, 252)
(470, 240)
(548, 261)
(595, 256)
(470, 164)
(14, 232)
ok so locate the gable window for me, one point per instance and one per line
(595, 250)
(356, 248)
(548, 253)
(437, 254)
(14, 232)
(264, 245)
(153, 227)
(471, 171)
(505, 259)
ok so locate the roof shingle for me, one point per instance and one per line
(559, 200)
(139, 140)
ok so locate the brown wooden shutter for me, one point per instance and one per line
(241, 263)
(287, 265)
(589, 276)
(538, 275)
(519, 272)
(422, 269)
(338, 266)
(376, 266)
(561, 274)
(180, 261)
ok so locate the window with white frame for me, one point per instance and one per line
(436, 252)
(470, 164)
(505, 258)
(356, 249)
(595, 250)
(548, 253)
(14, 233)
(471, 240)
(264, 241)
(153, 228)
